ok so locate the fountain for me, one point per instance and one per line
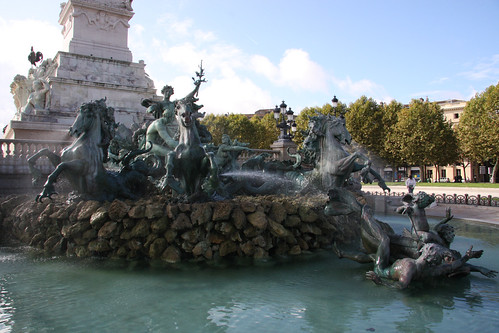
(214, 222)
(211, 243)
(204, 207)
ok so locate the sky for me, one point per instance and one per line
(258, 53)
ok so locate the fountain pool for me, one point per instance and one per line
(310, 293)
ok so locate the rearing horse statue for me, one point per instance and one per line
(82, 161)
(326, 136)
(189, 166)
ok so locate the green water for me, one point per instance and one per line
(310, 293)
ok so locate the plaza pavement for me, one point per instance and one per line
(468, 212)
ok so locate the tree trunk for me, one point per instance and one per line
(493, 179)
(422, 169)
(464, 170)
(437, 173)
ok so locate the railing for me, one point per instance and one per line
(458, 199)
(14, 154)
(245, 155)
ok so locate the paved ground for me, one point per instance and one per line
(468, 212)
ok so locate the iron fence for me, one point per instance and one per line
(458, 199)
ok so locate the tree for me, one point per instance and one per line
(217, 125)
(364, 121)
(259, 133)
(478, 129)
(369, 124)
(241, 128)
(266, 131)
(422, 137)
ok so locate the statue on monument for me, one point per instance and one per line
(33, 92)
(34, 57)
(20, 90)
(38, 99)
(227, 153)
(157, 109)
(163, 132)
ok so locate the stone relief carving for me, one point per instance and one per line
(128, 5)
(101, 20)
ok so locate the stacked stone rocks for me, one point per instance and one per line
(155, 228)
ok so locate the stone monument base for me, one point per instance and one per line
(38, 130)
(282, 146)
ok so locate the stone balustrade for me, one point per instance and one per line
(14, 171)
(15, 152)
(245, 155)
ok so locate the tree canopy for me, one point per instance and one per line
(422, 136)
(258, 132)
(478, 129)
(369, 124)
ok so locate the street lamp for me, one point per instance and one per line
(334, 104)
(286, 123)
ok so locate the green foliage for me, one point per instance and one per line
(217, 126)
(478, 129)
(265, 131)
(369, 123)
(422, 137)
(259, 133)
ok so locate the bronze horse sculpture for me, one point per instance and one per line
(327, 135)
(190, 166)
(82, 162)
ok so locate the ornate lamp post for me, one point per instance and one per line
(287, 126)
(286, 123)
(334, 104)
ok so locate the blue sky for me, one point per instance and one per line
(258, 53)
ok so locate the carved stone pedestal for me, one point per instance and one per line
(282, 145)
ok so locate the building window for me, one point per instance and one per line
(456, 115)
(443, 173)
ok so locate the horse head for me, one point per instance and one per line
(84, 120)
(184, 113)
(338, 129)
(316, 125)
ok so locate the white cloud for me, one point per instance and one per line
(440, 80)
(233, 95)
(181, 47)
(17, 37)
(174, 27)
(359, 88)
(486, 69)
(183, 55)
(295, 70)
